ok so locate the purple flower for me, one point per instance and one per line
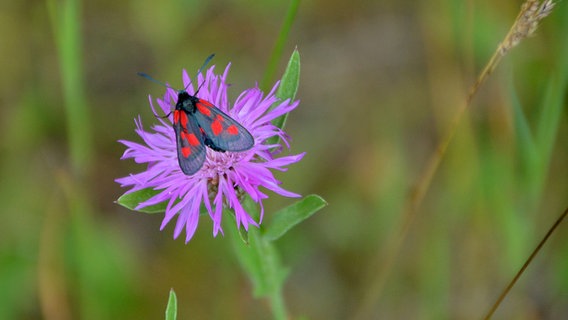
(225, 176)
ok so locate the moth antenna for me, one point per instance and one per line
(205, 63)
(144, 75)
(162, 117)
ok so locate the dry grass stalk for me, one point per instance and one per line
(525, 25)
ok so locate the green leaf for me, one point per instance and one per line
(524, 135)
(288, 85)
(551, 115)
(171, 309)
(131, 201)
(287, 218)
(290, 79)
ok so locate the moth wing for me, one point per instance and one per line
(225, 133)
(190, 144)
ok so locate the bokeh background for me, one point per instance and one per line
(380, 83)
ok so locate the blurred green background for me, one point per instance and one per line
(380, 83)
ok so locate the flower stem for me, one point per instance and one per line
(260, 260)
(279, 46)
(278, 306)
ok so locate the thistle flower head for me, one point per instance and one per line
(225, 177)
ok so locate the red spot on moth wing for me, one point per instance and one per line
(183, 119)
(232, 129)
(176, 116)
(203, 107)
(191, 139)
(216, 126)
(186, 151)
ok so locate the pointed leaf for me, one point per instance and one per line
(171, 309)
(550, 116)
(523, 132)
(131, 201)
(288, 85)
(287, 218)
(291, 79)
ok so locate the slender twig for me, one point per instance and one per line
(524, 267)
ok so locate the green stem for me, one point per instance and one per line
(278, 306)
(279, 46)
(259, 258)
(65, 19)
(271, 272)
